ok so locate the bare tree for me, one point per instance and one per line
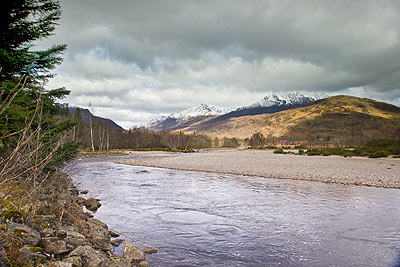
(91, 111)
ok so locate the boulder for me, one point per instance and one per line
(89, 256)
(46, 221)
(123, 263)
(73, 239)
(116, 242)
(113, 233)
(92, 204)
(29, 235)
(29, 253)
(144, 264)
(132, 253)
(116, 263)
(60, 264)
(84, 192)
(97, 232)
(149, 250)
(76, 261)
(56, 246)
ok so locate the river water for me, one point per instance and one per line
(205, 219)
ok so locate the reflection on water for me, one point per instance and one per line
(205, 219)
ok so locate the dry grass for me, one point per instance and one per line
(338, 116)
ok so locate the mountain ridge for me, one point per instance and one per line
(350, 120)
(85, 113)
(195, 113)
(204, 114)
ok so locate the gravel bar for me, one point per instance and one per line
(382, 172)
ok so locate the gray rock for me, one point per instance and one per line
(76, 261)
(73, 239)
(56, 246)
(133, 253)
(116, 242)
(97, 232)
(89, 256)
(92, 204)
(29, 235)
(46, 232)
(144, 264)
(115, 263)
(29, 253)
(149, 250)
(124, 263)
(113, 233)
(60, 264)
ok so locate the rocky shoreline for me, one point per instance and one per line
(56, 231)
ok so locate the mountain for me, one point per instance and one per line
(186, 117)
(288, 99)
(346, 119)
(273, 103)
(85, 113)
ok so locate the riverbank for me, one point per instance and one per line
(382, 172)
(53, 229)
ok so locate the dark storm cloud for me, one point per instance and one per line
(160, 56)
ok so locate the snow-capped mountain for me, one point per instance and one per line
(197, 112)
(203, 115)
(274, 102)
(200, 110)
(288, 99)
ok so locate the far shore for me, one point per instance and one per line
(381, 172)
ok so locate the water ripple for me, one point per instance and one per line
(206, 219)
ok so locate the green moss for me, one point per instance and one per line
(11, 213)
(35, 249)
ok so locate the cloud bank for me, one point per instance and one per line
(136, 60)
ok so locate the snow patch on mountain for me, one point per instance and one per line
(288, 99)
(197, 111)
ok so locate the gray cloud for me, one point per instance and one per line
(145, 58)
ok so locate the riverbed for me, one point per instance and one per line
(210, 219)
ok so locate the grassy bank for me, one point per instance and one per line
(374, 149)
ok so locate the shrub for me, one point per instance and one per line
(313, 152)
(379, 154)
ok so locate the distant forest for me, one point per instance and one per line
(96, 135)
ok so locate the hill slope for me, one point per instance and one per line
(338, 118)
(273, 103)
(85, 113)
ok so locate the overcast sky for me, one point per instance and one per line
(137, 60)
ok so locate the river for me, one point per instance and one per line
(206, 219)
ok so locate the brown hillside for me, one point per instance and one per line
(338, 119)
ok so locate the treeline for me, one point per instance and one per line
(100, 137)
(259, 141)
(376, 148)
(373, 149)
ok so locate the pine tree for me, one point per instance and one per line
(26, 106)
(23, 22)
